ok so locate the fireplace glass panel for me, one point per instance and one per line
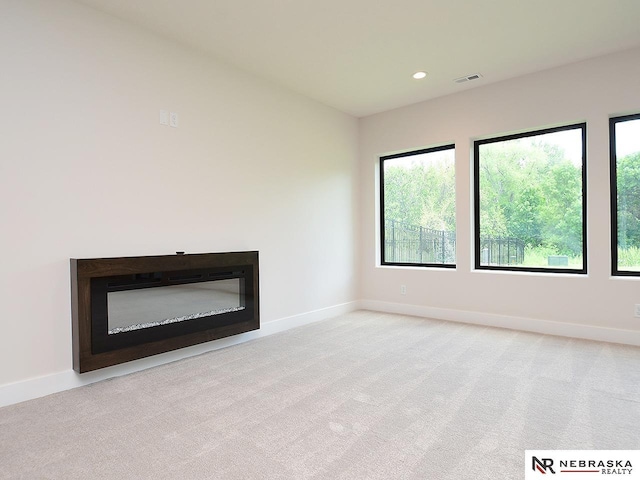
(141, 308)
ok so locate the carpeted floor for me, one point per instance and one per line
(362, 396)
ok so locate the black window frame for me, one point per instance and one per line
(613, 167)
(439, 148)
(476, 200)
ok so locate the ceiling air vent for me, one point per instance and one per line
(468, 78)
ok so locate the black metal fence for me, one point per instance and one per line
(415, 244)
(405, 243)
(501, 251)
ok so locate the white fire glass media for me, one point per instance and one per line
(150, 307)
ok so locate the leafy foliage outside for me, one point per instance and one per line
(629, 258)
(628, 188)
(420, 190)
(628, 185)
(530, 189)
(419, 208)
(536, 256)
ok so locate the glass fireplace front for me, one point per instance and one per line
(139, 308)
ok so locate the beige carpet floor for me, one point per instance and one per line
(361, 396)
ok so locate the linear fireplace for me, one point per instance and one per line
(132, 307)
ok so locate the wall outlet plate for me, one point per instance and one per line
(636, 310)
(173, 119)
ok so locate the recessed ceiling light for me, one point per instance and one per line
(419, 75)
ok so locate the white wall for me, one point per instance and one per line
(593, 306)
(86, 170)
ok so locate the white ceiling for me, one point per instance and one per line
(358, 55)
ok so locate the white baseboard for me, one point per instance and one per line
(68, 379)
(587, 332)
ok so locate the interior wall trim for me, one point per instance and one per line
(534, 325)
(41, 386)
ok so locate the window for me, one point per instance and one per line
(624, 138)
(530, 201)
(418, 209)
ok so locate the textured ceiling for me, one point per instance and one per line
(358, 55)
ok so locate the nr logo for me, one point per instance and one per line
(542, 465)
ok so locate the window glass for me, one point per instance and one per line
(530, 201)
(418, 210)
(625, 194)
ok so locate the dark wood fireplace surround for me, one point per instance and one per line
(94, 347)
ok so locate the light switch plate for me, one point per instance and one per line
(164, 117)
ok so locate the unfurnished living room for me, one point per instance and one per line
(340, 239)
